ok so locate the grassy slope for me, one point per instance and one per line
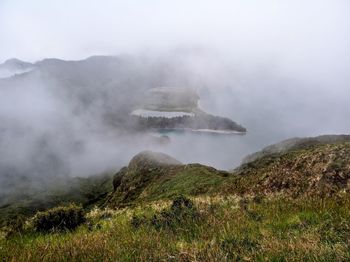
(247, 215)
(271, 230)
(314, 170)
(193, 179)
(321, 170)
(294, 144)
(165, 182)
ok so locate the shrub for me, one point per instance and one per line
(15, 225)
(59, 218)
(181, 212)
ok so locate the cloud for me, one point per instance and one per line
(278, 67)
(294, 32)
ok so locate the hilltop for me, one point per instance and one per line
(154, 176)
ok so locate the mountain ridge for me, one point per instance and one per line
(290, 205)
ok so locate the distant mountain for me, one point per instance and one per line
(13, 67)
(114, 84)
(110, 87)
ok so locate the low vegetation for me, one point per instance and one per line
(288, 206)
(59, 219)
(182, 212)
(225, 229)
(322, 170)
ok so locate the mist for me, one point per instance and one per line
(278, 68)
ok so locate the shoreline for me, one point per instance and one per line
(204, 131)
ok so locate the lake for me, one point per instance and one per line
(222, 151)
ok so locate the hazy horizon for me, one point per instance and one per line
(278, 68)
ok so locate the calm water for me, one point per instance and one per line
(224, 151)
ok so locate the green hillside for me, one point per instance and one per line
(291, 205)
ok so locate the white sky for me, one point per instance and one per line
(291, 29)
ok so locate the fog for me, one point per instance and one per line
(279, 68)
